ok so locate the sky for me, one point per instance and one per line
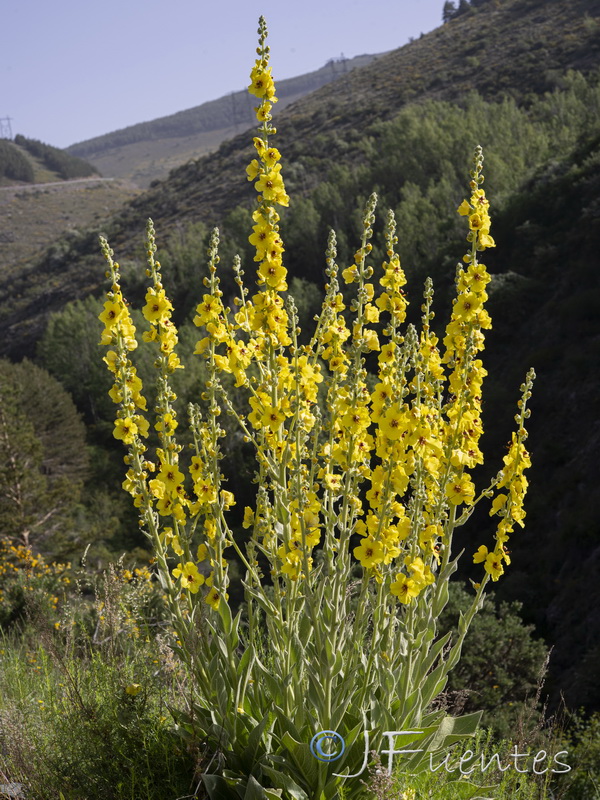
(74, 69)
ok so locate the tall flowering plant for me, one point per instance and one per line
(363, 481)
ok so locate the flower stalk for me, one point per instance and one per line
(366, 443)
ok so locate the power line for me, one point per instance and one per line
(5, 128)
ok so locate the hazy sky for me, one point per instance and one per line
(73, 69)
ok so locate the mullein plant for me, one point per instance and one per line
(352, 474)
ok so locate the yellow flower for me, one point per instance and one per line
(460, 490)
(404, 588)
(202, 552)
(213, 598)
(369, 553)
(125, 429)
(176, 545)
(350, 274)
(467, 306)
(271, 156)
(190, 577)
(208, 310)
(171, 476)
(113, 312)
(262, 84)
(133, 689)
(263, 112)
(333, 482)
(110, 359)
(248, 517)
(498, 503)
(393, 424)
(480, 555)
(205, 491)
(253, 169)
(421, 573)
(157, 488)
(227, 498)
(270, 183)
(158, 307)
(493, 565)
(273, 273)
(264, 238)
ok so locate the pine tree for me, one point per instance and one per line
(42, 454)
(448, 11)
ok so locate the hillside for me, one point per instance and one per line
(45, 193)
(24, 161)
(405, 125)
(514, 47)
(34, 216)
(150, 150)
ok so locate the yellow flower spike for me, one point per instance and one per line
(373, 469)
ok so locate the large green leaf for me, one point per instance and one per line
(217, 788)
(434, 685)
(441, 733)
(283, 781)
(254, 791)
(250, 754)
(304, 761)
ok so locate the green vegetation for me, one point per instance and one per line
(499, 74)
(87, 689)
(66, 166)
(501, 667)
(14, 165)
(89, 682)
(43, 459)
(413, 162)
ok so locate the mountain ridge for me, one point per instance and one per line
(326, 128)
(148, 150)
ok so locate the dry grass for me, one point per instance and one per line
(32, 217)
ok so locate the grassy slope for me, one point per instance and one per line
(31, 218)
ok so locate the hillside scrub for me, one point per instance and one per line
(65, 165)
(14, 165)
